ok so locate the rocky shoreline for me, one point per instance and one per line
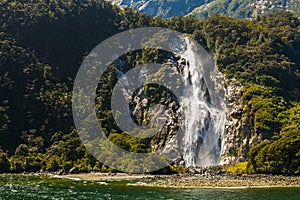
(214, 177)
(230, 181)
(194, 180)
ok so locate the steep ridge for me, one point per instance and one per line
(165, 9)
(205, 8)
(246, 8)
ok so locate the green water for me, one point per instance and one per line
(41, 187)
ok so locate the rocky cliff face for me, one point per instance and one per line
(234, 142)
(237, 137)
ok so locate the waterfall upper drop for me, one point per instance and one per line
(203, 107)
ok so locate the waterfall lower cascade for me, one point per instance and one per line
(203, 108)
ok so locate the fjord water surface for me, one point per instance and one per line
(44, 187)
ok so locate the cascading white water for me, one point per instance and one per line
(202, 105)
(203, 111)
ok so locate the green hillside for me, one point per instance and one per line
(43, 42)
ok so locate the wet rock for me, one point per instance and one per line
(237, 137)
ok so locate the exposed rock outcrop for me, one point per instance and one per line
(235, 138)
(238, 136)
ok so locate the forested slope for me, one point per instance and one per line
(42, 44)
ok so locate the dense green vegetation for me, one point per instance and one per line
(43, 42)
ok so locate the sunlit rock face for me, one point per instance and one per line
(205, 8)
(165, 9)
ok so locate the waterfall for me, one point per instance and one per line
(203, 110)
(202, 104)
